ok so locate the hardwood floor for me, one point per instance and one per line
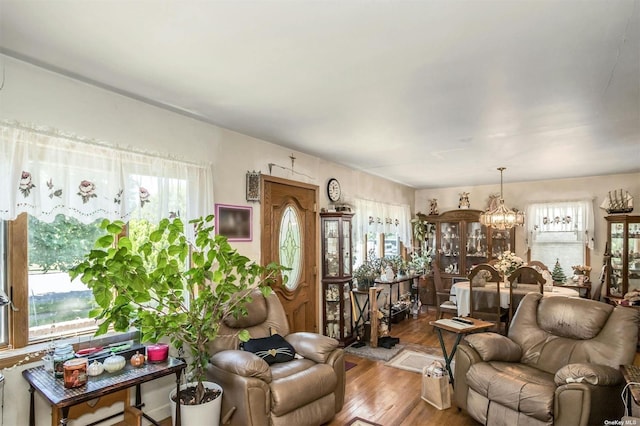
(390, 396)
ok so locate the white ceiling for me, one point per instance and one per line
(425, 93)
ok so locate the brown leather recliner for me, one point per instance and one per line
(309, 390)
(559, 364)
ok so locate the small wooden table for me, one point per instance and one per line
(460, 329)
(63, 399)
(360, 311)
(631, 374)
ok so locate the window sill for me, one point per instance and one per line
(13, 358)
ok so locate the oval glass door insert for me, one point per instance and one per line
(291, 246)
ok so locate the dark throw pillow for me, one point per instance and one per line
(272, 349)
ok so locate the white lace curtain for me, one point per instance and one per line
(377, 217)
(45, 173)
(570, 218)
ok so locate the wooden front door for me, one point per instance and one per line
(289, 238)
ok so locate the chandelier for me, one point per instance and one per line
(501, 217)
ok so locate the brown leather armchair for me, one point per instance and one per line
(559, 364)
(309, 390)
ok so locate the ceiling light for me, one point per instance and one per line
(501, 217)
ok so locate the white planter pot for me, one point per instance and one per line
(193, 415)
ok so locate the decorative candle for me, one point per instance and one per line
(75, 372)
(157, 353)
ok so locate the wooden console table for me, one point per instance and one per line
(396, 282)
(63, 399)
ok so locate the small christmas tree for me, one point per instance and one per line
(558, 274)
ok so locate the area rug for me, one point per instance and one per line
(358, 421)
(379, 353)
(415, 361)
(348, 365)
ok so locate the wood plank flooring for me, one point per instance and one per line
(390, 396)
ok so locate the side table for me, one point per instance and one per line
(362, 310)
(631, 374)
(460, 329)
(63, 399)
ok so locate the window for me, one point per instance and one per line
(560, 231)
(380, 229)
(4, 310)
(58, 188)
(57, 305)
(391, 244)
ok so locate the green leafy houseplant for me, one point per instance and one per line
(421, 262)
(153, 289)
(368, 271)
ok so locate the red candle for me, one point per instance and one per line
(158, 352)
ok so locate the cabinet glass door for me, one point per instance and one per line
(500, 242)
(476, 245)
(634, 256)
(346, 248)
(332, 310)
(449, 251)
(617, 252)
(346, 295)
(331, 259)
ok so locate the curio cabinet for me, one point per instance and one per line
(622, 272)
(336, 230)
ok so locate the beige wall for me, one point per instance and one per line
(519, 195)
(34, 95)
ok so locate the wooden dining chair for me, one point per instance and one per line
(523, 275)
(538, 264)
(492, 312)
(528, 277)
(444, 305)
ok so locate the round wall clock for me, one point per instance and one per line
(333, 189)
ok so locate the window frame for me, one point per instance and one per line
(18, 285)
(18, 266)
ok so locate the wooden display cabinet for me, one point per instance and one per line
(623, 255)
(336, 230)
(459, 241)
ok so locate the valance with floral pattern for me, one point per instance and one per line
(45, 173)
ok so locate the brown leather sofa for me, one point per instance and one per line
(308, 390)
(559, 364)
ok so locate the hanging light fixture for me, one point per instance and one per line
(501, 217)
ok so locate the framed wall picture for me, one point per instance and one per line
(253, 186)
(234, 222)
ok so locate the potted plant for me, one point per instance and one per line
(153, 289)
(368, 271)
(420, 261)
(365, 276)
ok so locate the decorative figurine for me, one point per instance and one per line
(433, 207)
(494, 200)
(464, 200)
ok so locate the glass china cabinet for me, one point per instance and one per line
(460, 241)
(463, 242)
(623, 255)
(337, 275)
